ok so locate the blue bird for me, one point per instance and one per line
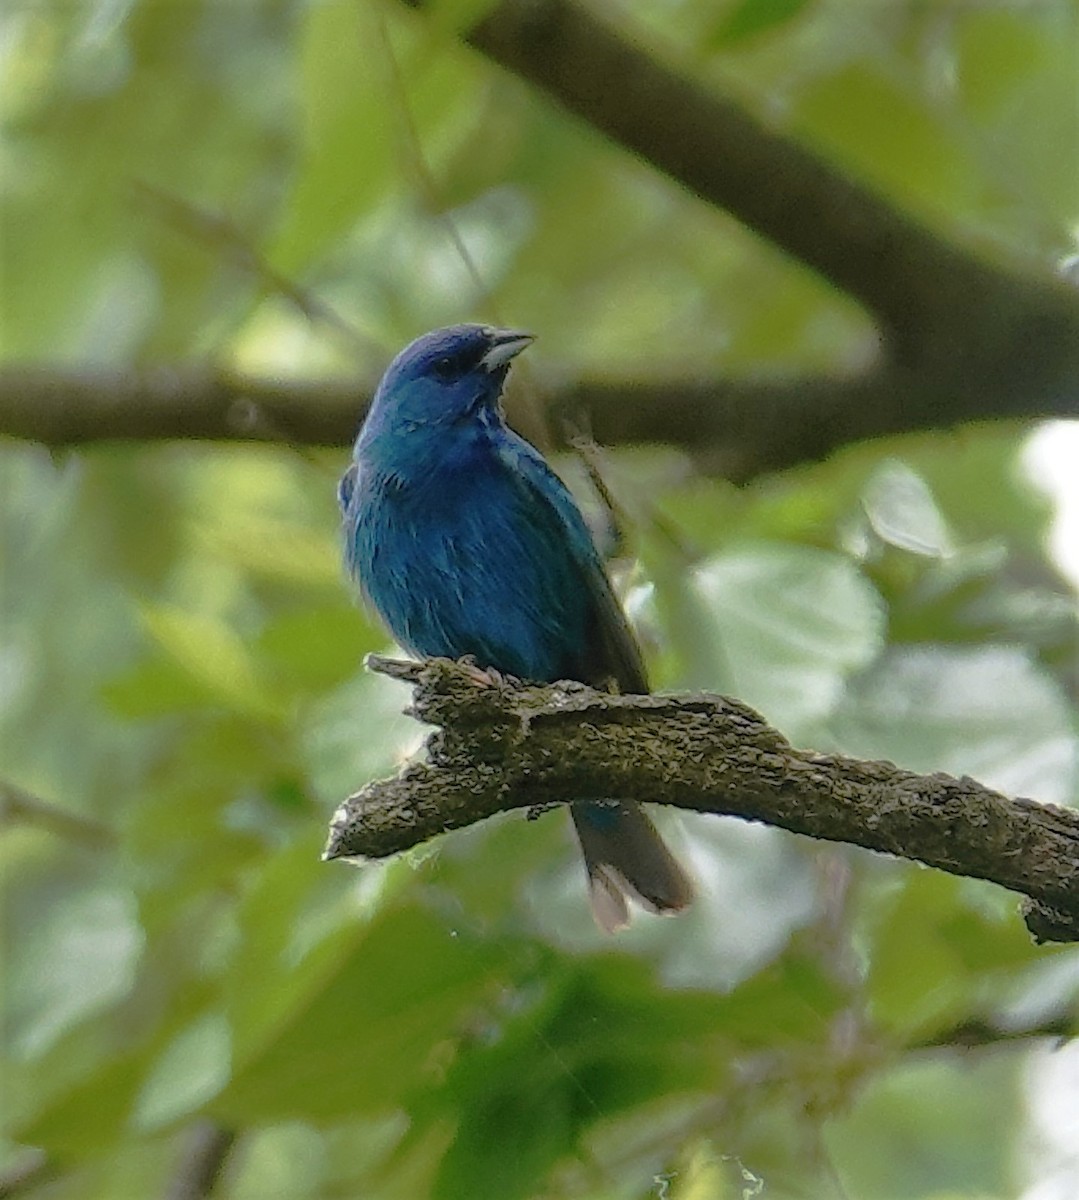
(466, 543)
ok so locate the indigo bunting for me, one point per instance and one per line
(466, 543)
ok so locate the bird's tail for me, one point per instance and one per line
(626, 857)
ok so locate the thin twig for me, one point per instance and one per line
(18, 806)
(220, 232)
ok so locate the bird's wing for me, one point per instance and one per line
(612, 657)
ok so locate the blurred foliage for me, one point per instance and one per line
(181, 660)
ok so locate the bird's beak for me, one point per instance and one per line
(506, 344)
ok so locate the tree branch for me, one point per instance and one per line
(962, 339)
(740, 428)
(921, 288)
(73, 406)
(510, 746)
(979, 1032)
(18, 806)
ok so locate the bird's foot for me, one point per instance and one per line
(486, 676)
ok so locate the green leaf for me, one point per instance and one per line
(1001, 53)
(191, 1070)
(347, 134)
(286, 1160)
(357, 155)
(156, 687)
(570, 1046)
(317, 647)
(280, 549)
(990, 712)
(942, 950)
(916, 982)
(793, 1001)
(601, 1038)
(111, 101)
(212, 654)
(81, 959)
(90, 1116)
(792, 624)
(338, 758)
(919, 162)
(750, 18)
(902, 511)
(458, 16)
(212, 809)
(507, 1143)
(355, 1026)
(919, 1131)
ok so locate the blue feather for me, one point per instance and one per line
(466, 543)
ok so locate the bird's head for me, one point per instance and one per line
(443, 378)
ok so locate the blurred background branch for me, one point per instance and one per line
(961, 338)
(934, 301)
(18, 806)
(737, 428)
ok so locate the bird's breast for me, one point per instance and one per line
(456, 564)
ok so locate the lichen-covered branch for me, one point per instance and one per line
(510, 746)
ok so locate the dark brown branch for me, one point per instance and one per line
(70, 407)
(739, 428)
(511, 746)
(933, 300)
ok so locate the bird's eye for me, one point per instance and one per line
(444, 368)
